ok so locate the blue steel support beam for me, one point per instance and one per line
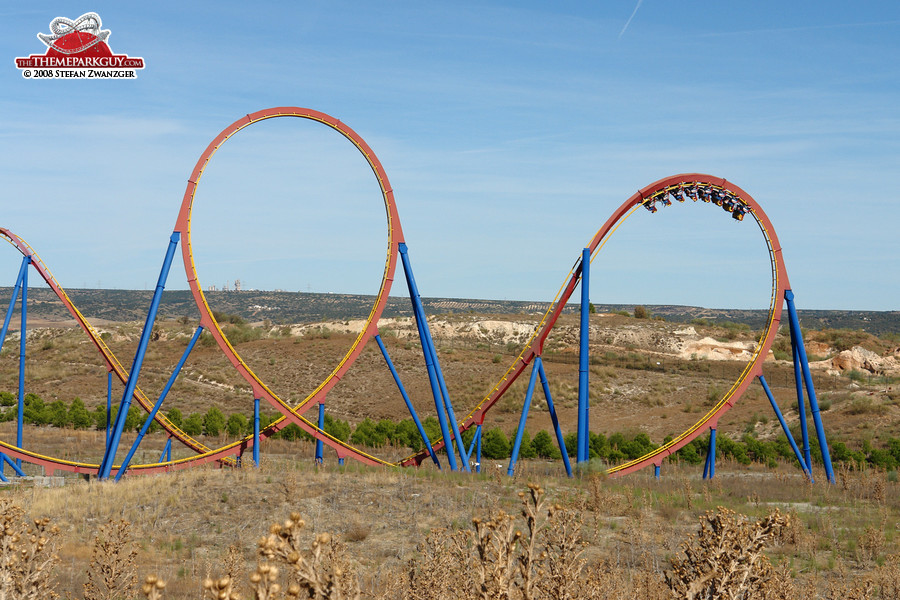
(584, 361)
(521, 430)
(110, 455)
(424, 334)
(12, 463)
(166, 455)
(473, 444)
(12, 301)
(478, 450)
(810, 388)
(21, 416)
(560, 441)
(108, 405)
(256, 431)
(706, 465)
(787, 432)
(448, 405)
(320, 446)
(409, 404)
(162, 397)
(801, 402)
(656, 471)
(23, 269)
(710, 471)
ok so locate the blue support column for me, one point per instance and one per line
(787, 432)
(448, 405)
(166, 455)
(583, 453)
(478, 451)
(12, 300)
(4, 459)
(710, 470)
(409, 404)
(21, 416)
(23, 270)
(108, 405)
(521, 430)
(425, 336)
(810, 388)
(110, 455)
(801, 403)
(476, 441)
(656, 471)
(256, 431)
(320, 446)
(706, 465)
(559, 436)
(162, 396)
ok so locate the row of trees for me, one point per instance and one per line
(495, 444)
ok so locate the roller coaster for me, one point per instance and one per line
(693, 188)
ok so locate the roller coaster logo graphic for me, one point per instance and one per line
(456, 454)
(78, 49)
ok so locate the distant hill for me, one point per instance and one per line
(301, 307)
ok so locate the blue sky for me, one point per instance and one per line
(509, 130)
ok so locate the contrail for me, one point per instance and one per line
(628, 22)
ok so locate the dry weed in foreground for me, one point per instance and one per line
(726, 560)
(112, 573)
(26, 555)
(504, 558)
(320, 573)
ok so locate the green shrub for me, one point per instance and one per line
(495, 444)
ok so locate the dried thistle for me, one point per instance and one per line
(320, 572)
(153, 588)
(26, 555)
(112, 573)
(725, 559)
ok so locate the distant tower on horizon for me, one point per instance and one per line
(237, 285)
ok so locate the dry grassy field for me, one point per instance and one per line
(392, 533)
(423, 534)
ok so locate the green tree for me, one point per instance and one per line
(337, 428)
(291, 432)
(213, 421)
(236, 424)
(544, 446)
(432, 428)
(571, 441)
(79, 416)
(598, 446)
(193, 425)
(58, 414)
(99, 417)
(384, 431)
(495, 444)
(407, 434)
(526, 448)
(641, 312)
(135, 418)
(175, 418)
(364, 434)
(35, 411)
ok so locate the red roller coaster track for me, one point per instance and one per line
(659, 190)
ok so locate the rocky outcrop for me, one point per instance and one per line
(860, 359)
